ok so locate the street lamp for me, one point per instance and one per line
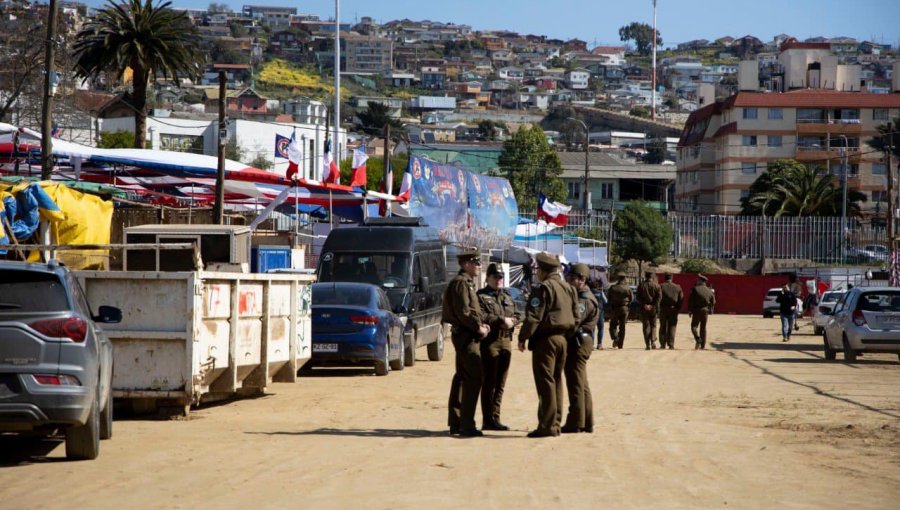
(586, 201)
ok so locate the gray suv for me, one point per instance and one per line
(55, 362)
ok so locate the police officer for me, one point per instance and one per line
(462, 311)
(649, 295)
(499, 312)
(550, 319)
(669, 306)
(581, 344)
(620, 298)
(700, 302)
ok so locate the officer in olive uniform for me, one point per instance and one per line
(462, 311)
(581, 344)
(669, 306)
(499, 312)
(551, 318)
(700, 302)
(649, 295)
(620, 298)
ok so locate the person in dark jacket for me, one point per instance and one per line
(700, 302)
(499, 312)
(787, 309)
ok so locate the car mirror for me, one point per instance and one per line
(108, 315)
(423, 283)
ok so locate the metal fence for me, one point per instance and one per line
(753, 237)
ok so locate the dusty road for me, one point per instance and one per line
(751, 423)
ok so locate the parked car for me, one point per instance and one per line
(857, 255)
(353, 324)
(55, 362)
(878, 251)
(823, 311)
(770, 303)
(866, 319)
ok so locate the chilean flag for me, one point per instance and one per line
(359, 167)
(551, 212)
(331, 174)
(405, 187)
(294, 156)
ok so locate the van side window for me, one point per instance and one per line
(437, 270)
(417, 268)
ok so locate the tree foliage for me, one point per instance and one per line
(376, 116)
(642, 233)
(22, 36)
(146, 38)
(487, 129)
(639, 111)
(375, 171)
(642, 35)
(261, 162)
(532, 167)
(656, 152)
(116, 139)
(790, 188)
(885, 133)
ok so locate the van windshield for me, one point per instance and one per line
(388, 270)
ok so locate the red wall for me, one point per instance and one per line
(735, 294)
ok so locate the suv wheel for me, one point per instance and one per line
(409, 354)
(436, 348)
(849, 354)
(106, 417)
(83, 442)
(830, 354)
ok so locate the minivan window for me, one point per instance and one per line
(879, 301)
(30, 291)
(389, 270)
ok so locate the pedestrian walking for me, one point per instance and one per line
(669, 306)
(600, 296)
(787, 308)
(581, 407)
(462, 311)
(550, 318)
(700, 302)
(797, 290)
(649, 295)
(620, 298)
(499, 312)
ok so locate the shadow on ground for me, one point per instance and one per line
(21, 451)
(404, 433)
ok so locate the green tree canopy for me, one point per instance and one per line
(532, 166)
(885, 132)
(375, 171)
(790, 188)
(146, 38)
(642, 35)
(116, 139)
(642, 233)
(376, 116)
(656, 152)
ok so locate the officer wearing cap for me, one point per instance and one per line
(648, 295)
(669, 306)
(700, 302)
(499, 312)
(620, 298)
(462, 311)
(581, 344)
(550, 318)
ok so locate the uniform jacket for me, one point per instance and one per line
(649, 293)
(497, 305)
(461, 307)
(619, 295)
(589, 309)
(701, 297)
(552, 309)
(672, 297)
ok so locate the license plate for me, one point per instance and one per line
(890, 319)
(325, 347)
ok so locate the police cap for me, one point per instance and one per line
(702, 278)
(492, 269)
(468, 255)
(581, 270)
(547, 262)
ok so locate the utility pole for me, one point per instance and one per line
(47, 110)
(891, 202)
(219, 206)
(337, 79)
(586, 199)
(844, 200)
(653, 77)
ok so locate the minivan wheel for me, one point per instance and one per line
(382, 366)
(849, 354)
(436, 348)
(83, 442)
(817, 330)
(397, 364)
(830, 354)
(409, 355)
(106, 417)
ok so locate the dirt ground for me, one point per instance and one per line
(750, 423)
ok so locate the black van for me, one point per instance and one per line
(404, 257)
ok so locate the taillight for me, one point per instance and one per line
(364, 319)
(858, 318)
(56, 380)
(73, 328)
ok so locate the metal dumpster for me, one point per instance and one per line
(194, 336)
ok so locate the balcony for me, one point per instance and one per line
(813, 154)
(829, 126)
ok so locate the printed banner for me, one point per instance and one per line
(281, 146)
(493, 212)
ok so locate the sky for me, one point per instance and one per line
(598, 21)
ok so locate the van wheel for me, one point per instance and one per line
(83, 442)
(382, 366)
(849, 354)
(817, 330)
(409, 355)
(436, 348)
(397, 364)
(830, 354)
(106, 417)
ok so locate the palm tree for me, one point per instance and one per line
(146, 38)
(789, 188)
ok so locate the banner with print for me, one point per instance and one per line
(493, 212)
(281, 146)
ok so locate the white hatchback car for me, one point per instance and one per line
(866, 319)
(823, 311)
(770, 306)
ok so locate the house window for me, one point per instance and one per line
(748, 140)
(852, 169)
(694, 202)
(880, 114)
(574, 190)
(879, 195)
(750, 113)
(774, 141)
(606, 190)
(695, 176)
(878, 169)
(748, 167)
(776, 114)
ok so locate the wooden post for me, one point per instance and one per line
(219, 205)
